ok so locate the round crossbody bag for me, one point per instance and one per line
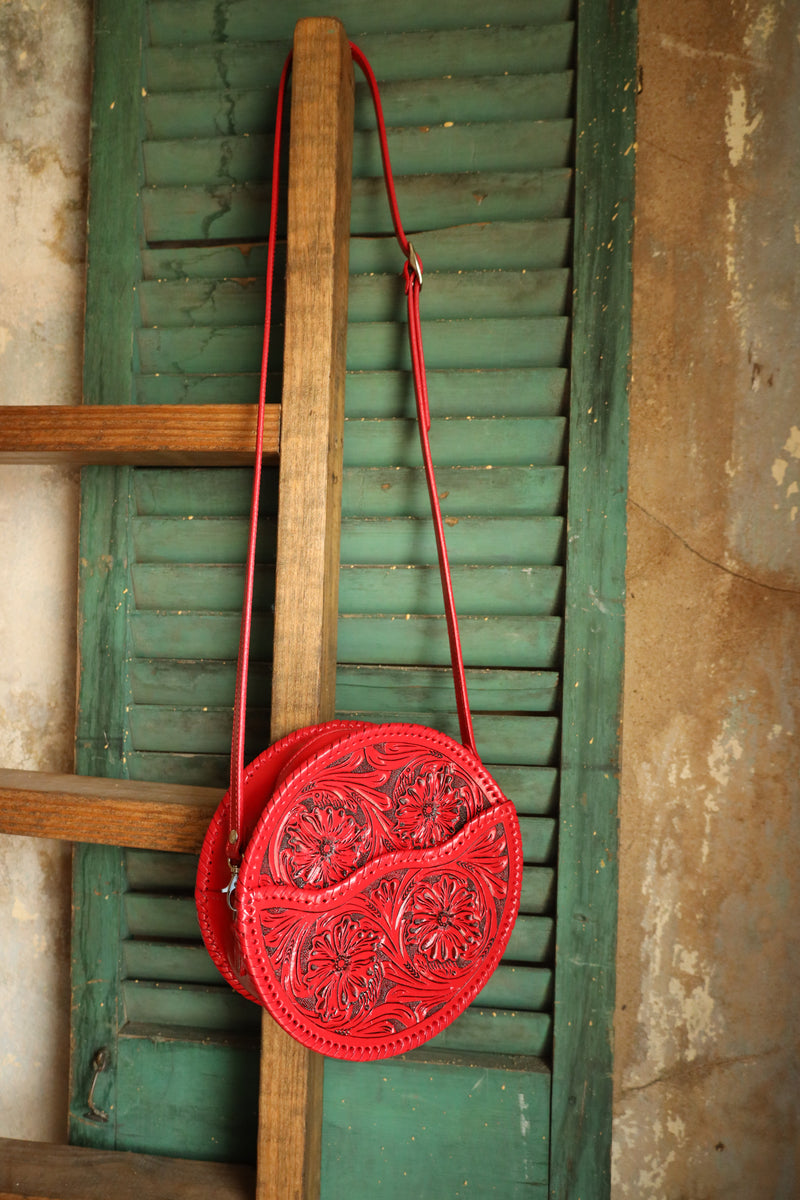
(360, 881)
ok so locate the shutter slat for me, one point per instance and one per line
(500, 641)
(210, 113)
(505, 541)
(189, 1005)
(498, 1031)
(238, 213)
(444, 149)
(526, 642)
(471, 442)
(526, 391)
(167, 962)
(476, 342)
(528, 740)
(372, 297)
(500, 491)
(528, 988)
(520, 49)
(490, 590)
(361, 688)
(498, 245)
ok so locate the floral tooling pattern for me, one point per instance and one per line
(382, 893)
(393, 944)
(343, 970)
(369, 802)
(324, 844)
(445, 919)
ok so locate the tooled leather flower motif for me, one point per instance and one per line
(323, 846)
(445, 919)
(344, 970)
(428, 812)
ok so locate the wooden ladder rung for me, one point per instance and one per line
(149, 435)
(111, 812)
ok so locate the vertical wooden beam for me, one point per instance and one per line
(586, 903)
(306, 599)
(115, 180)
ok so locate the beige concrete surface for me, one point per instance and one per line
(44, 83)
(706, 1076)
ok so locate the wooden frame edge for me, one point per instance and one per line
(594, 627)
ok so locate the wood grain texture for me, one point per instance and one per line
(147, 435)
(39, 1171)
(595, 594)
(111, 812)
(309, 516)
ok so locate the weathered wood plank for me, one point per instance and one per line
(529, 643)
(491, 590)
(527, 391)
(182, 435)
(154, 870)
(39, 1171)
(178, 962)
(437, 1125)
(447, 148)
(189, 1006)
(480, 246)
(594, 631)
(96, 1006)
(113, 812)
(358, 688)
(507, 491)
(372, 346)
(517, 987)
(237, 212)
(369, 689)
(176, 22)
(486, 541)
(498, 1031)
(214, 1119)
(309, 515)
(372, 297)
(525, 48)
(468, 442)
(207, 113)
(198, 539)
(506, 541)
(501, 737)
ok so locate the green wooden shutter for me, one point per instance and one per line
(482, 131)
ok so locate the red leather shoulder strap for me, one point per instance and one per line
(412, 271)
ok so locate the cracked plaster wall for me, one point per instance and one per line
(706, 1072)
(706, 1066)
(44, 83)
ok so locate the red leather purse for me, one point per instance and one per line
(361, 881)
